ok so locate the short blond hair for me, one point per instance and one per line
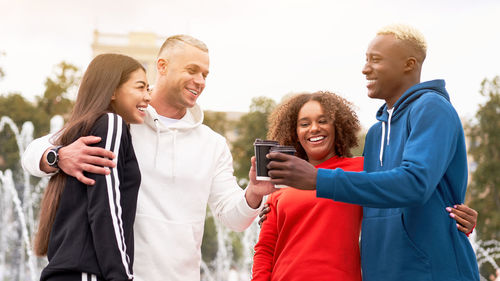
(178, 40)
(409, 35)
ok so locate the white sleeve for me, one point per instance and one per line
(34, 153)
(227, 200)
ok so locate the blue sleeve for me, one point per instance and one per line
(104, 208)
(428, 151)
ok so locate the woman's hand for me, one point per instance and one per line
(466, 217)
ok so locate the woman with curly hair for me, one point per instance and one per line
(305, 237)
(323, 128)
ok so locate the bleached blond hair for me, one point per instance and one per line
(409, 35)
(178, 40)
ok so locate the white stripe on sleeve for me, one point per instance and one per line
(114, 201)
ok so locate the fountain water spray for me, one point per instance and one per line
(18, 212)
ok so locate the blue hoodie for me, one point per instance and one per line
(415, 166)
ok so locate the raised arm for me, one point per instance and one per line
(419, 171)
(229, 203)
(256, 190)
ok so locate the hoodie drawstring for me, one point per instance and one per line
(173, 154)
(389, 125)
(174, 139)
(382, 144)
(157, 150)
(381, 155)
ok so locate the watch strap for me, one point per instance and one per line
(53, 156)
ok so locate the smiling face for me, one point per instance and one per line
(315, 132)
(385, 68)
(131, 99)
(183, 76)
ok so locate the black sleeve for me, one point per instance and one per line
(104, 207)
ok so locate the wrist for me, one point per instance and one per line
(253, 199)
(49, 160)
(52, 157)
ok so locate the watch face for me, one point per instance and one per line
(51, 157)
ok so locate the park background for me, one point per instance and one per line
(260, 52)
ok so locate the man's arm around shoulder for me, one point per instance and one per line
(35, 154)
(74, 159)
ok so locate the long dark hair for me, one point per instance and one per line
(105, 74)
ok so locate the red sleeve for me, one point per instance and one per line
(264, 249)
(471, 231)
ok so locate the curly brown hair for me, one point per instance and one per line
(283, 122)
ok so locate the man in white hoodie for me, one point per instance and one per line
(184, 166)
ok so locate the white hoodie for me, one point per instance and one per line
(184, 166)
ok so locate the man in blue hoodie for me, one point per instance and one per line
(415, 165)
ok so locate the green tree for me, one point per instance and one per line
(209, 246)
(19, 110)
(484, 147)
(358, 150)
(217, 121)
(55, 100)
(251, 126)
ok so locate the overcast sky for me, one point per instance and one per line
(261, 47)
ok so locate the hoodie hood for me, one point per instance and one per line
(190, 121)
(413, 93)
(386, 115)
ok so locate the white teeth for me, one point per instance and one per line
(316, 138)
(141, 108)
(194, 92)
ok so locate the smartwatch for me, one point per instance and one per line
(53, 156)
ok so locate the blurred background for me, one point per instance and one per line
(260, 52)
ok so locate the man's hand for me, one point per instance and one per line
(466, 217)
(262, 214)
(257, 189)
(78, 157)
(291, 171)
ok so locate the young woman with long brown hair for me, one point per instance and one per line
(87, 231)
